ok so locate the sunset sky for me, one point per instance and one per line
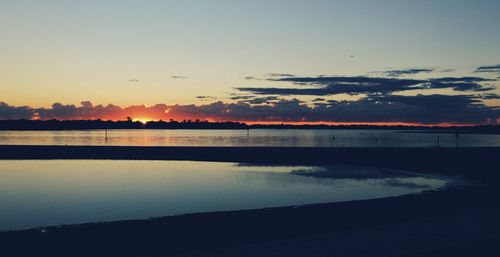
(428, 62)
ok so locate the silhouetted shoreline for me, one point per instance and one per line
(199, 124)
(463, 220)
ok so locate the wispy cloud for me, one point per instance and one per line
(279, 75)
(206, 97)
(402, 72)
(241, 97)
(354, 85)
(491, 68)
(261, 100)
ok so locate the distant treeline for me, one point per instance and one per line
(102, 124)
(200, 124)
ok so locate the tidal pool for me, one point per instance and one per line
(52, 192)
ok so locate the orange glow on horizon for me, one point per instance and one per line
(143, 120)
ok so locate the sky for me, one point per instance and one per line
(430, 62)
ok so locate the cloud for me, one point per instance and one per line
(489, 96)
(279, 75)
(133, 80)
(412, 71)
(260, 100)
(336, 85)
(241, 97)
(179, 77)
(425, 109)
(461, 83)
(269, 75)
(354, 85)
(436, 102)
(12, 112)
(88, 111)
(206, 97)
(460, 79)
(491, 68)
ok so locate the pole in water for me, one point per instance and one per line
(106, 134)
(438, 142)
(248, 132)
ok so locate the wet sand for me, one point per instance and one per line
(463, 220)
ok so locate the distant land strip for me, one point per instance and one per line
(199, 124)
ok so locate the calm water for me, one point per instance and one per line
(51, 192)
(257, 137)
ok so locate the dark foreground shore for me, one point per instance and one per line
(463, 220)
(477, 161)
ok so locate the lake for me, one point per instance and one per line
(52, 192)
(256, 137)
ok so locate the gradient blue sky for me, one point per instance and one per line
(69, 51)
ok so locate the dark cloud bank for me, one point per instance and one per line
(491, 68)
(425, 109)
(397, 73)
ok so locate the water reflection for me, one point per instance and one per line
(258, 137)
(51, 192)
